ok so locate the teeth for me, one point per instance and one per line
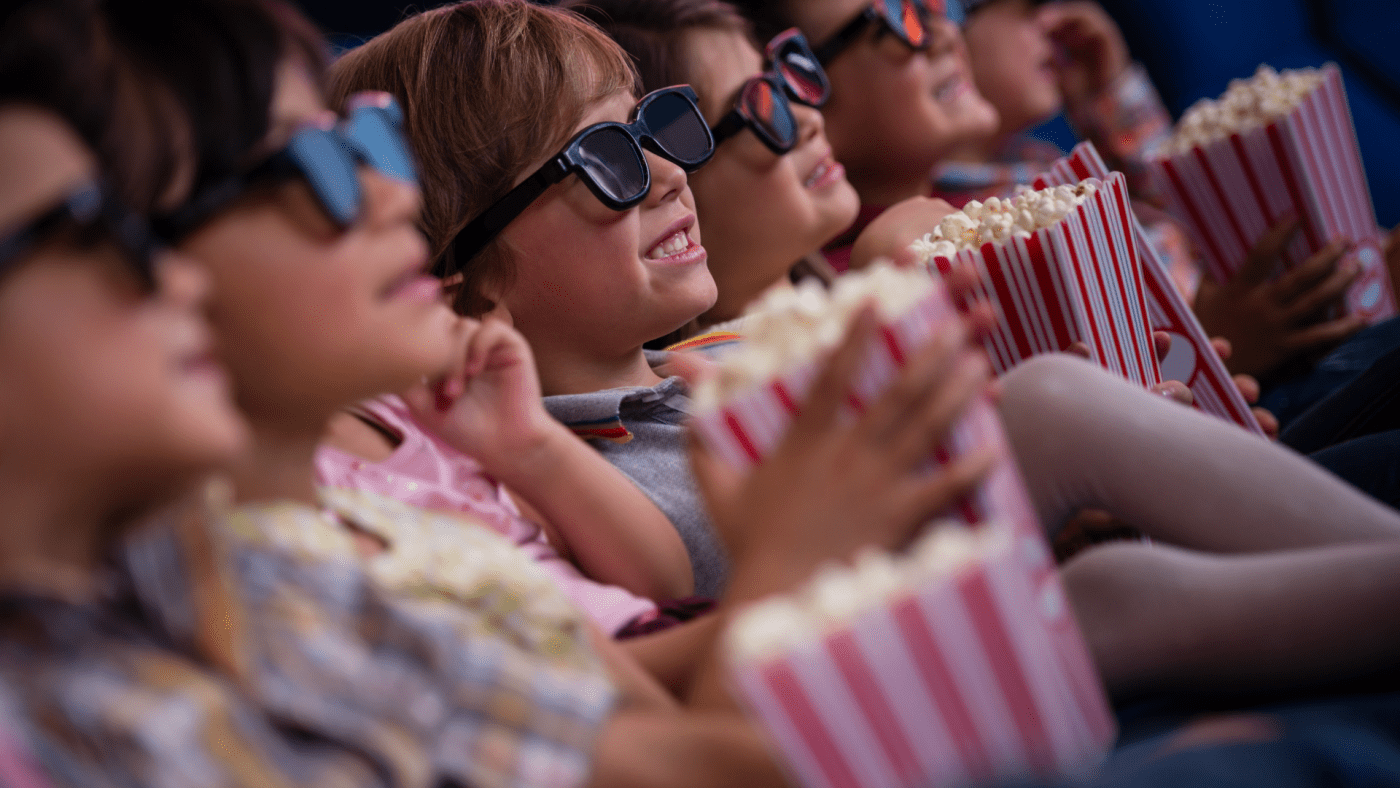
(818, 173)
(674, 245)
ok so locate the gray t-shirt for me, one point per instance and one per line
(642, 432)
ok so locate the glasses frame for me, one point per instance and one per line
(485, 227)
(96, 212)
(741, 117)
(369, 113)
(872, 14)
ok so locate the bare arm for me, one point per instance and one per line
(492, 410)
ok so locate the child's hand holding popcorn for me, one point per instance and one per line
(1093, 52)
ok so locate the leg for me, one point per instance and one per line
(1086, 439)
(1163, 619)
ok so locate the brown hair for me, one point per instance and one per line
(488, 89)
(651, 32)
(768, 17)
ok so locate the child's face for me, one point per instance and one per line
(101, 380)
(892, 110)
(591, 280)
(1013, 63)
(762, 211)
(310, 317)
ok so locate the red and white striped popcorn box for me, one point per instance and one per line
(745, 429)
(1230, 191)
(974, 674)
(1079, 280)
(1192, 359)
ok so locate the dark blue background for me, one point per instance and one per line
(1191, 47)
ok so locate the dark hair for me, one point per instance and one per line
(209, 68)
(651, 31)
(488, 88)
(768, 17)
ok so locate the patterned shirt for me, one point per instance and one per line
(474, 671)
(97, 700)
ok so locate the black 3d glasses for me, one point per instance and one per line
(609, 158)
(89, 214)
(908, 20)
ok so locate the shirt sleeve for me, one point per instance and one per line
(1127, 122)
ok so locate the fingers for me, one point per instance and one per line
(694, 368)
(925, 496)
(1162, 344)
(1268, 422)
(1080, 349)
(1248, 387)
(1264, 257)
(1317, 269)
(1330, 292)
(931, 422)
(1176, 391)
(1223, 348)
(928, 369)
(833, 382)
(1324, 335)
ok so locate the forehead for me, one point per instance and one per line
(616, 107)
(41, 159)
(719, 61)
(297, 99)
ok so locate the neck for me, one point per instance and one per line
(888, 188)
(728, 309)
(567, 371)
(55, 534)
(280, 466)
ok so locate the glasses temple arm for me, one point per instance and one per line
(483, 229)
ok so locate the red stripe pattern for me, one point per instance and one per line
(1308, 162)
(1193, 359)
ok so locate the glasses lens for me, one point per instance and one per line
(330, 170)
(906, 19)
(770, 112)
(376, 136)
(678, 128)
(614, 162)
(804, 76)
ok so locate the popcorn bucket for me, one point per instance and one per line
(743, 431)
(1077, 281)
(976, 674)
(1230, 191)
(1192, 359)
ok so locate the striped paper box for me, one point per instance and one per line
(744, 430)
(1192, 359)
(975, 674)
(1229, 192)
(1077, 281)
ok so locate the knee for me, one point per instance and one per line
(1045, 393)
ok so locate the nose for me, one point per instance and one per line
(388, 201)
(810, 123)
(668, 180)
(944, 36)
(181, 281)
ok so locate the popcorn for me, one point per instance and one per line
(1193, 359)
(953, 663)
(1276, 145)
(1247, 104)
(997, 220)
(837, 595)
(1059, 265)
(790, 327)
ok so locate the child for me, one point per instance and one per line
(597, 376)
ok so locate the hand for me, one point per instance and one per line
(1173, 390)
(489, 404)
(1093, 52)
(890, 235)
(797, 509)
(1273, 321)
(1248, 387)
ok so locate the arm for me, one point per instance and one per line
(491, 408)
